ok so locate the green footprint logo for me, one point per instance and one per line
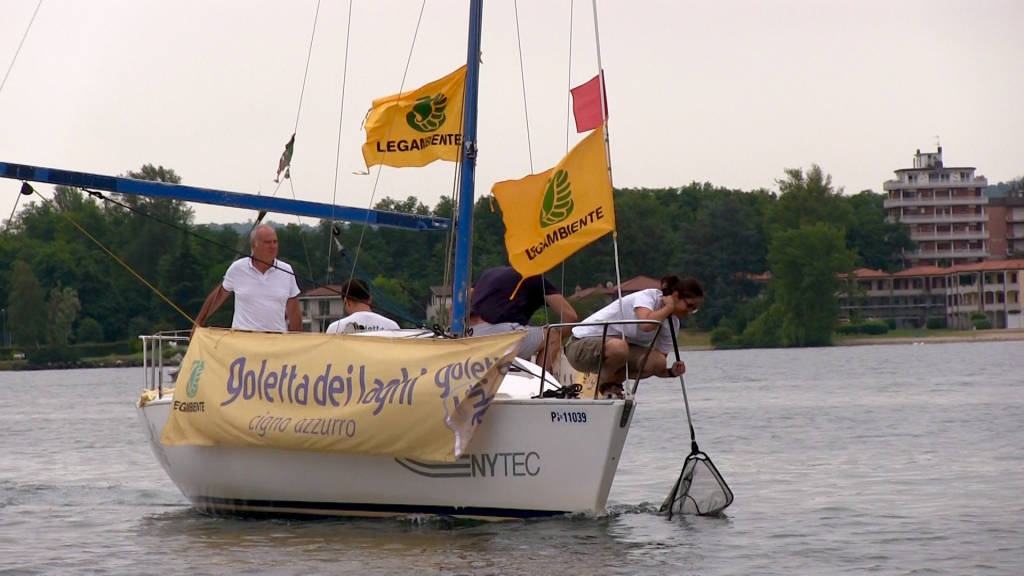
(557, 205)
(427, 114)
(193, 379)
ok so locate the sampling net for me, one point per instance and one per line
(699, 490)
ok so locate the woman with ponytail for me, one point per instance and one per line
(626, 344)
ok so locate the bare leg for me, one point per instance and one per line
(655, 364)
(616, 354)
(551, 347)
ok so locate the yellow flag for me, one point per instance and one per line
(551, 215)
(415, 128)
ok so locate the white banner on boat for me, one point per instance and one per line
(405, 397)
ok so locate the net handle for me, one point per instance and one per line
(682, 384)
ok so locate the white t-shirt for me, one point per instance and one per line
(260, 297)
(364, 321)
(650, 299)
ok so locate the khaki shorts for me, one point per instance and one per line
(584, 354)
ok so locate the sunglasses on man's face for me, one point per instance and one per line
(693, 307)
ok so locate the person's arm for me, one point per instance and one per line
(670, 365)
(293, 313)
(213, 301)
(643, 313)
(562, 307)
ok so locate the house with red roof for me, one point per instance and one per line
(609, 290)
(912, 297)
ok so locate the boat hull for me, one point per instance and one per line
(528, 458)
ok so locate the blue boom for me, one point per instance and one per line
(220, 197)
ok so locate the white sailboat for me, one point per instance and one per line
(529, 456)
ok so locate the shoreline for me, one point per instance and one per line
(997, 335)
(1000, 335)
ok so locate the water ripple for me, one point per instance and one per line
(844, 461)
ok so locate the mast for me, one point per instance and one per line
(464, 222)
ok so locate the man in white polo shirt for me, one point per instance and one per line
(266, 295)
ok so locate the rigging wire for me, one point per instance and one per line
(522, 79)
(17, 51)
(568, 119)
(376, 182)
(526, 113)
(608, 159)
(3, 82)
(448, 273)
(381, 300)
(333, 240)
(298, 115)
(26, 190)
(302, 237)
(305, 73)
(568, 81)
(337, 150)
(298, 110)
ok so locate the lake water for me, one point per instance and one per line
(903, 459)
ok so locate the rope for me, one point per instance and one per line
(236, 252)
(116, 258)
(20, 43)
(100, 196)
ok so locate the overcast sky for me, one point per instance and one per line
(728, 92)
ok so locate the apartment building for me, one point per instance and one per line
(913, 296)
(1006, 224)
(944, 209)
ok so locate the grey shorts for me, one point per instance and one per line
(584, 354)
(531, 342)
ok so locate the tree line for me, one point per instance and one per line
(80, 267)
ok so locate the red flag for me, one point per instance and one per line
(586, 105)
